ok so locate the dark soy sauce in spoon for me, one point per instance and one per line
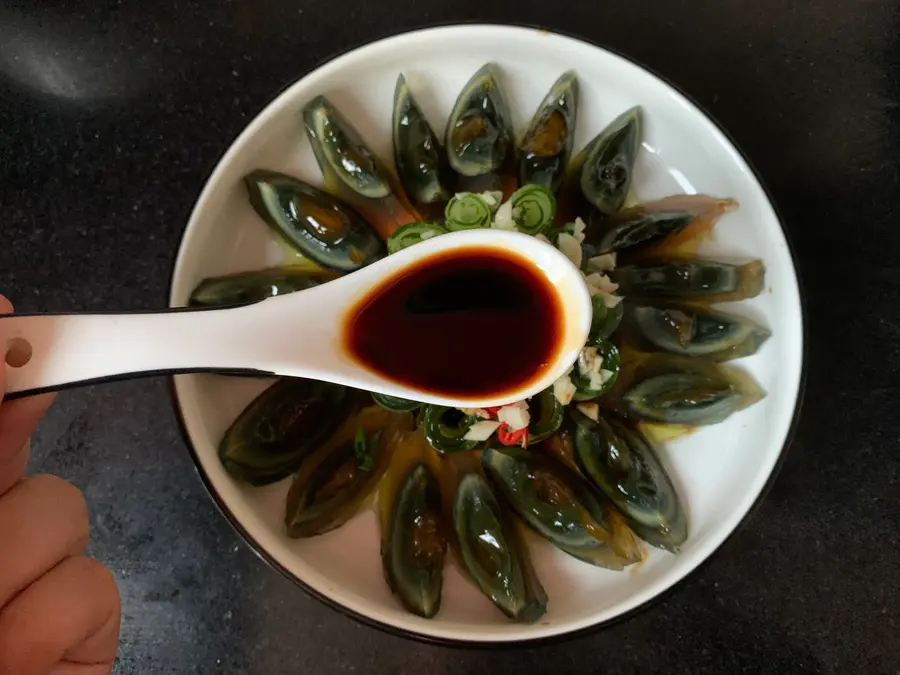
(475, 321)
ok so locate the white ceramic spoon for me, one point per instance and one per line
(298, 334)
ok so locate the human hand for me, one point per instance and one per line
(59, 609)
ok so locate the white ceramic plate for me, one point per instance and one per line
(720, 471)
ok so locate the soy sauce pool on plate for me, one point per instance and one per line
(476, 321)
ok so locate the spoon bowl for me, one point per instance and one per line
(297, 335)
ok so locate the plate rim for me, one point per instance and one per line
(523, 642)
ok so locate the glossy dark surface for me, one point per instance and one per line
(113, 114)
(468, 322)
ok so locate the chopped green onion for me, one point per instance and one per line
(395, 403)
(604, 378)
(467, 211)
(534, 208)
(361, 450)
(445, 428)
(413, 233)
(553, 233)
(605, 319)
(546, 416)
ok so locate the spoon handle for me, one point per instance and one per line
(49, 352)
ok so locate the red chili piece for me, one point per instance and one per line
(509, 437)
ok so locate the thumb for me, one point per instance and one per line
(17, 420)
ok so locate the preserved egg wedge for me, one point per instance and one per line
(609, 164)
(413, 543)
(557, 504)
(353, 172)
(620, 462)
(547, 145)
(695, 281)
(491, 551)
(479, 136)
(419, 156)
(599, 176)
(279, 428)
(248, 287)
(312, 221)
(683, 390)
(686, 330)
(669, 227)
(334, 481)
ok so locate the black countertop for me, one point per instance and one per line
(113, 114)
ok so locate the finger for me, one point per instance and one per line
(17, 421)
(5, 308)
(100, 646)
(43, 520)
(56, 617)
